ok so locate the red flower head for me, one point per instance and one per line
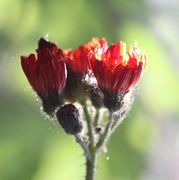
(117, 72)
(77, 67)
(46, 72)
(78, 60)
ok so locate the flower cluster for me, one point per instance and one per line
(58, 75)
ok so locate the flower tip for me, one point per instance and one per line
(122, 48)
(43, 44)
(22, 58)
(103, 39)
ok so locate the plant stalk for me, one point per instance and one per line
(93, 149)
(91, 167)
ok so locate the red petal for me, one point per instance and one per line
(124, 74)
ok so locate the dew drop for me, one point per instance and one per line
(107, 158)
(46, 36)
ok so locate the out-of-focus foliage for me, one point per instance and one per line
(32, 148)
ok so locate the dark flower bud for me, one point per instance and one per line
(69, 118)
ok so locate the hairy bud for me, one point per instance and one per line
(69, 118)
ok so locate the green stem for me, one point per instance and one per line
(91, 167)
(91, 158)
(104, 138)
(96, 119)
(90, 126)
(92, 149)
(83, 145)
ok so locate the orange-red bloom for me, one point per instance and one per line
(77, 68)
(77, 60)
(46, 72)
(115, 70)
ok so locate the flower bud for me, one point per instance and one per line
(69, 118)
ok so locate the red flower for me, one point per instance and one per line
(77, 67)
(78, 60)
(46, 71)
(117, 72)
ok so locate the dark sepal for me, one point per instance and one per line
(96, 96)
(51, 101)
(112, 101)
(75, 89)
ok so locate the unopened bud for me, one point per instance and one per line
(69, 118)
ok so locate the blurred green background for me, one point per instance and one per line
(146, 145)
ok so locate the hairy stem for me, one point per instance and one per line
(83, 145)
(91, 157)
(91, 167)
(90, 127)
(118, 121)
(104, 138)
(91, 149)
(114, 121)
